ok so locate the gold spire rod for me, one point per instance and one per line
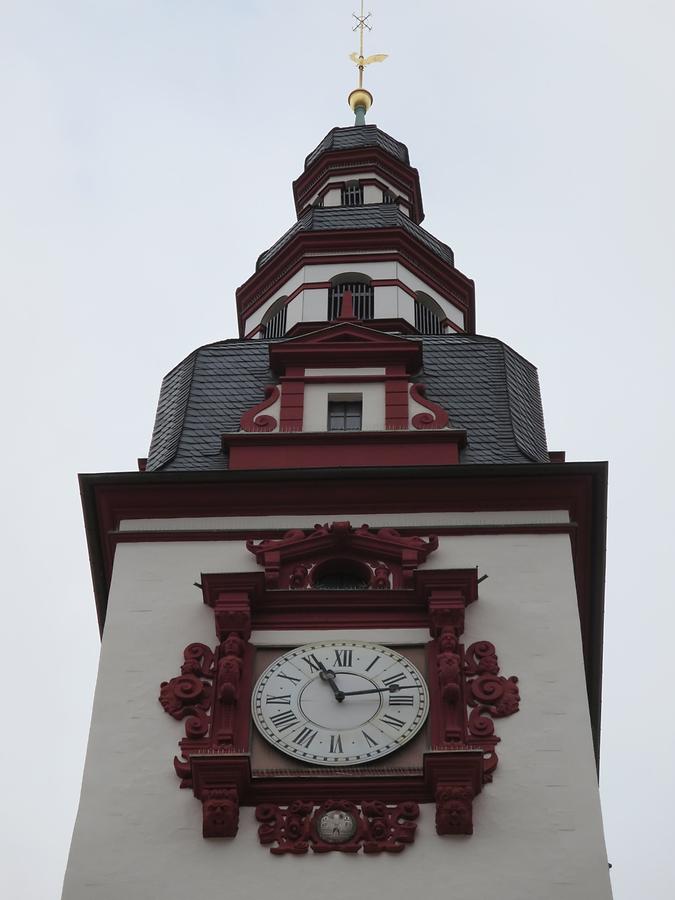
(360, 99)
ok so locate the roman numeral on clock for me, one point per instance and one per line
(393, 721)
(336, 743)
(369, 740)
(394, 679)
(401, 700)
(289, 678)
(281, 700)
(343, 658)
(312, 662)
(285, 720)
(305, 737)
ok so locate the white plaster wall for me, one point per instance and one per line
(311, 305)
(538, 834)
(333, 197)
(361, 176)
(412, 520)
(386, 302)
(315, 414)
(372, 194)
(314, 305)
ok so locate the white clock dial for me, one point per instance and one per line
(340, 703)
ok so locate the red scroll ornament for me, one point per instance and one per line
(373, 827)
(436, 418)
(252, 421)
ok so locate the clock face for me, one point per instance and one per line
(340, 703)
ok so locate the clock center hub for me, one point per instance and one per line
(321, 707)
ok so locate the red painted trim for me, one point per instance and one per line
(349, 162)
(345, 344)
(305, 248)
(292, 406)
(375, 282)
(165, 536)
(249, 422)
(341, 379)
(579, 488)
(345, 259)
(400, 326)
(437, 417)
(315, 450)
(285, 785)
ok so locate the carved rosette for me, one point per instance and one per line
(372, 826)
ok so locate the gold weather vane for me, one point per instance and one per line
(360, 99)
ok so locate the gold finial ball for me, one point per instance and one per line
(360, 97)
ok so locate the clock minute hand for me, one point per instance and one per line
(393, 688)
(329, 676)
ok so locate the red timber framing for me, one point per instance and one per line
(578, 488)
(347, 249)
(348, 164)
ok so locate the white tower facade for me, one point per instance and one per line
(402, 697)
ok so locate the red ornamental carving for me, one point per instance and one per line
(373, 827)
(454, 804)
(385, 552)
(190, 694)
(252, 421)
(436, 418)
(490, 695)
(466, 695)
(220, 811)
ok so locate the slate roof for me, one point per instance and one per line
(372, 215)
(356, 137)
(486, 387)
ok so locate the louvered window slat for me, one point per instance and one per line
(352, 194)
(362, 298)
(276, 326)
(426, 321)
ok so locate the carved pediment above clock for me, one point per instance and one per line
(377, 559)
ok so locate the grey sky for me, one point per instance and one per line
(146, 159)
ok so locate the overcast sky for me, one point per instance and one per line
(147, 151)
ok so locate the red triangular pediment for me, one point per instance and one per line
(346, 344)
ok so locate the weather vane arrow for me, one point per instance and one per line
(360, 99)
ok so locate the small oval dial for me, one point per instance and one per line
(340, 703)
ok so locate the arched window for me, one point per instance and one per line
(362, 295)
(428, 315)
(341, 575)
(274, 320)
(352, 193)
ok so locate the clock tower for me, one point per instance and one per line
(351, 605)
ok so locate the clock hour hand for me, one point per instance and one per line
(393, 688)
(329, 676)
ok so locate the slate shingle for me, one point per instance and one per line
(372, 215)
(356, 137)
(486, 387)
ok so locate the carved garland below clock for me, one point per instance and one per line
(339, 707)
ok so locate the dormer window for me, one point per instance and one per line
(274, 320)
(345, 415)
(352, 194)
(428, 315)
(363, 299)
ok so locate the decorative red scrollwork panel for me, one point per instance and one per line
(212, 694)
(371, 826)
(389, 557)
(467, 693)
